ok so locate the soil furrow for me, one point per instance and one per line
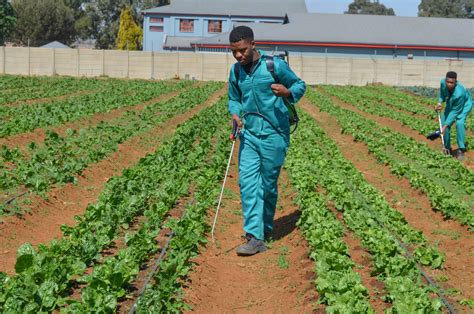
(46, 216)
(38, 136)
(280, 280)
(456, 241)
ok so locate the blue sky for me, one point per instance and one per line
(401, 7)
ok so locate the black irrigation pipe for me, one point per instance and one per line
(15, 197)
(170, 236)
(153, 271)
(439, 291)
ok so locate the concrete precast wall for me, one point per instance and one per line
(216, 66)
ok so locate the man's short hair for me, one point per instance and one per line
(452, 75)
(241, 33)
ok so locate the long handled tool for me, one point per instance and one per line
(438, 133)
(233, 137)
(445, 150)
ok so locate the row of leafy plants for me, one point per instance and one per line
(377, 104)
(339, 285)
(425, 92)
(164, 294)
(42, 88)
(403, 101)
(459, 174)
(28, 117)
(10, 82)
(384, 101)
(423, 101)
(446, 182)
(322, 173)
(47, 276)
(200, 167)
(61, 158)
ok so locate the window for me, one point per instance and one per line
(156, 28)
(186, 26)
(214, 26)
(156, 20)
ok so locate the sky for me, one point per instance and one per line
(401, 7)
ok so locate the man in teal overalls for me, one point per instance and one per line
(458, 105)
(256, 104)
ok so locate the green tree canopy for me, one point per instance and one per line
(369, 7)
(130, 35)
(43, 21)
(104, 18)
(443, 8)
(7, 20)
(469, 8)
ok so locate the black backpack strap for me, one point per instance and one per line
(237, 72)
(294, 119)
(237, 76)
(271, 67)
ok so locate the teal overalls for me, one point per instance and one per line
(458, 106)
(263, 144)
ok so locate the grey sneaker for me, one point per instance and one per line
(459, 154)
(252, 247)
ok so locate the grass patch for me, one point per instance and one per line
(282, 261)
(450, 233)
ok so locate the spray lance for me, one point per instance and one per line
(233, 137)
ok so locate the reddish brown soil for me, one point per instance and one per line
(399, 127)
(223, 282)
(456, 241)
(23, 139)
(43, 222)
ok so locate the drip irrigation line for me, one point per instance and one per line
(15, 197)
(153, 271)
(170, 236)
(439, 291)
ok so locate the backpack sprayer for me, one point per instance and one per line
(270, 63)
(293, 120)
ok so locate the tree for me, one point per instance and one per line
(82, 22)
(369, 7)
(130, 35)
(43, 21)
(443, 8)
(7, 20)
(104, 18)
(469, 7)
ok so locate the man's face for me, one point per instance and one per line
(450, 83)
(243, 51)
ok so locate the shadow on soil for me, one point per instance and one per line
(285, 225)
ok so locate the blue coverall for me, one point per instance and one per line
(263, 144)
(458, 106)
